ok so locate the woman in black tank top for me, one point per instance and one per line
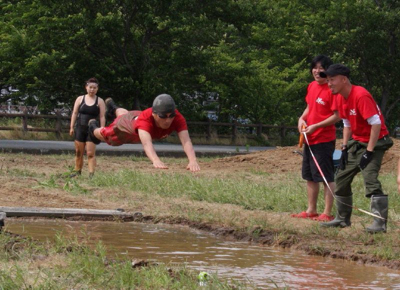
(86, 107)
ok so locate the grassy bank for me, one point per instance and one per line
(69, 264)
(251, 205)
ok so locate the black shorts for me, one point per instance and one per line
(323, 153)
(82, 134)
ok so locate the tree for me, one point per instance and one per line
(253, 54)
(365, 36)
(137, 49)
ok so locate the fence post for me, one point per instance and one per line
(58, 124)
(283, 133)
(209, 129)
(234, 132)
(259, 130)
(25, 121)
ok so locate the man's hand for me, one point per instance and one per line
(71, 131)
(310, 129)
(301, 125)
(343, 158)
(159, 164)
(193, 166)
(365, 159)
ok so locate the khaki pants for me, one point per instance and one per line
(345, 177)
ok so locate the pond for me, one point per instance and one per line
(265, 267)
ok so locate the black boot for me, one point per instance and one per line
(75, 173)
(92, 126)
(344, 208)
(111, 109)
(379, 207)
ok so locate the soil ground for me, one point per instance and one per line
(24, 192)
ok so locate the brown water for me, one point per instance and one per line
(205, 252)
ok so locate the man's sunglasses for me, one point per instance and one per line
(162, 116)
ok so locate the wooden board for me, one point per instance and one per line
(61, 212)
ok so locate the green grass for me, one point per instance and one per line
(284, 194)
(250, 195)
(254, 190)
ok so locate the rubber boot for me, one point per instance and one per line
(344, 208)
(111, 109)
(92, 126)
(379, 207)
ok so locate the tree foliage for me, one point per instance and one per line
(253, 54)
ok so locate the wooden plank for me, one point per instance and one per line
(61, 212)
(10, 128)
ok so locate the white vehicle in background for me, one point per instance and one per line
(10, 108)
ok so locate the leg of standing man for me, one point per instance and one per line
(373, 187)
(328, 194)
(312, 194)
(324, 155)
(343, 192)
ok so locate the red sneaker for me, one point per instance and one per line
(324, 218)
(304, 215)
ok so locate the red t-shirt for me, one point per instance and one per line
(146, 122)
(321, 104)
(124, 129)
(358, 107)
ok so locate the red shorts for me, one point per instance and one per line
(122, 130)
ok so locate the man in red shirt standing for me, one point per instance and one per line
(365, 141)
(132, 127)
(318, 121)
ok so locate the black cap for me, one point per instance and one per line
(334, 70)
(163, 104)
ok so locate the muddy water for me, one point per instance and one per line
(262, 266)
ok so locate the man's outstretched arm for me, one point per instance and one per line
(148, 147)
(188, 148)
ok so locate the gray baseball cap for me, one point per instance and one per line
(163, 104)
